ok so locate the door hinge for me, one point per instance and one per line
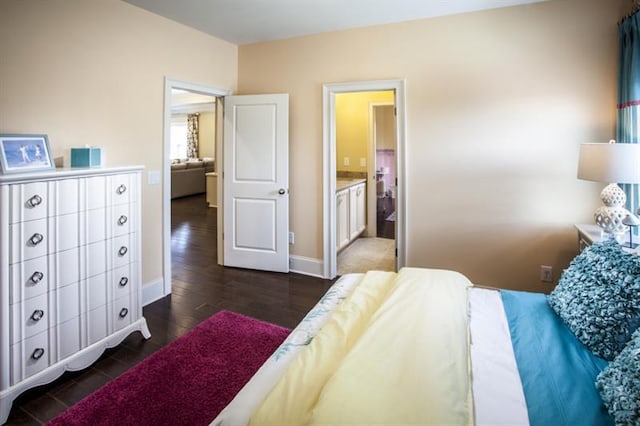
(396, 251)
(395, 110)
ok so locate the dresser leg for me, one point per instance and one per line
(5, 407)
(144, 328)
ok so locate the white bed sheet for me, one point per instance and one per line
(497, 390)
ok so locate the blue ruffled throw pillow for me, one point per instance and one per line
(619, 385)
(598, 297)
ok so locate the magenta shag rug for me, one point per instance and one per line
(187, 382)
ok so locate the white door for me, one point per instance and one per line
(256, 182)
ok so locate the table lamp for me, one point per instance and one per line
(613, 163)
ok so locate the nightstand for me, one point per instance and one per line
(590, 233)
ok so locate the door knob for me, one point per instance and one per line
(282, 191)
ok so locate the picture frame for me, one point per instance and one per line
(25, 153)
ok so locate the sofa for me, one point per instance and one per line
(188, 176)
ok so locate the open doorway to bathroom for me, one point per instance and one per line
(365, 181)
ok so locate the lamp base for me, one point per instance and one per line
(610, 216)
(610, 219)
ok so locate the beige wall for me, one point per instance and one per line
(93, 72)
(497, 104)
(207, 134)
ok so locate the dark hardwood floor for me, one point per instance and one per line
(200, 289)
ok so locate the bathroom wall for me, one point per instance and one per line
(353, 127)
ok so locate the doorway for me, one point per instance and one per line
(332, 158)
(171, 86)
(365, 177)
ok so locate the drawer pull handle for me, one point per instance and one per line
(36, 239)
(124, 281)
(121, 189)
(122, 220)
(123, 250)
(37, 315)
(34, 201)
(36, 277)
(37, 353)
(123, 312)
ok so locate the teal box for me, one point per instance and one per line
(86, 157)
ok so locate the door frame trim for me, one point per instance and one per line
(329, 92)
(172, 83)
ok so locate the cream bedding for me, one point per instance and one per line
(498, 398)
(394, 352)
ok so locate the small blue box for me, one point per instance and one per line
(86, 157)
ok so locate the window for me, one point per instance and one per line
(178, 138)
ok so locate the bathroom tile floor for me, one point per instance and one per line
(366, 254)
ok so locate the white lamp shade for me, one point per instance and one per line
(609, 162)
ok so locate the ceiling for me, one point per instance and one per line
(250, 21)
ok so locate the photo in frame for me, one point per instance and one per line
(24, 153)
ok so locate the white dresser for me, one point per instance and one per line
(69, 272)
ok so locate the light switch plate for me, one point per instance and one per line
(346, 161)
(363, 162)
(154, 177)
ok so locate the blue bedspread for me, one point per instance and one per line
(558, 372)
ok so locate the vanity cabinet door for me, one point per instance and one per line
(361, 207)
(342, 219)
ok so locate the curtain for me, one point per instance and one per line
(192, 135)
(628, 130)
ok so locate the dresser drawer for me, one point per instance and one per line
(96, 192)
(68, 338)
(123, 250)
(96, 259)
(123, 189)
(96, 225)
(67, 232)
(68, 303)
(123, 280)
(30, 317)
(29, 201)
(67, 266)
(67, 199)
(29, 279)
(30, 357)
(122, 219)
(97, 324)
(97, 291)
(123, 312)
(28, 240)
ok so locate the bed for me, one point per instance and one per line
(426, 346)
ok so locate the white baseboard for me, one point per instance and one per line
(306, 266)
(152, 291)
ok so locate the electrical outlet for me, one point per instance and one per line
(363, 162)
(546, 273)
(345, 161)
(292, 238)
